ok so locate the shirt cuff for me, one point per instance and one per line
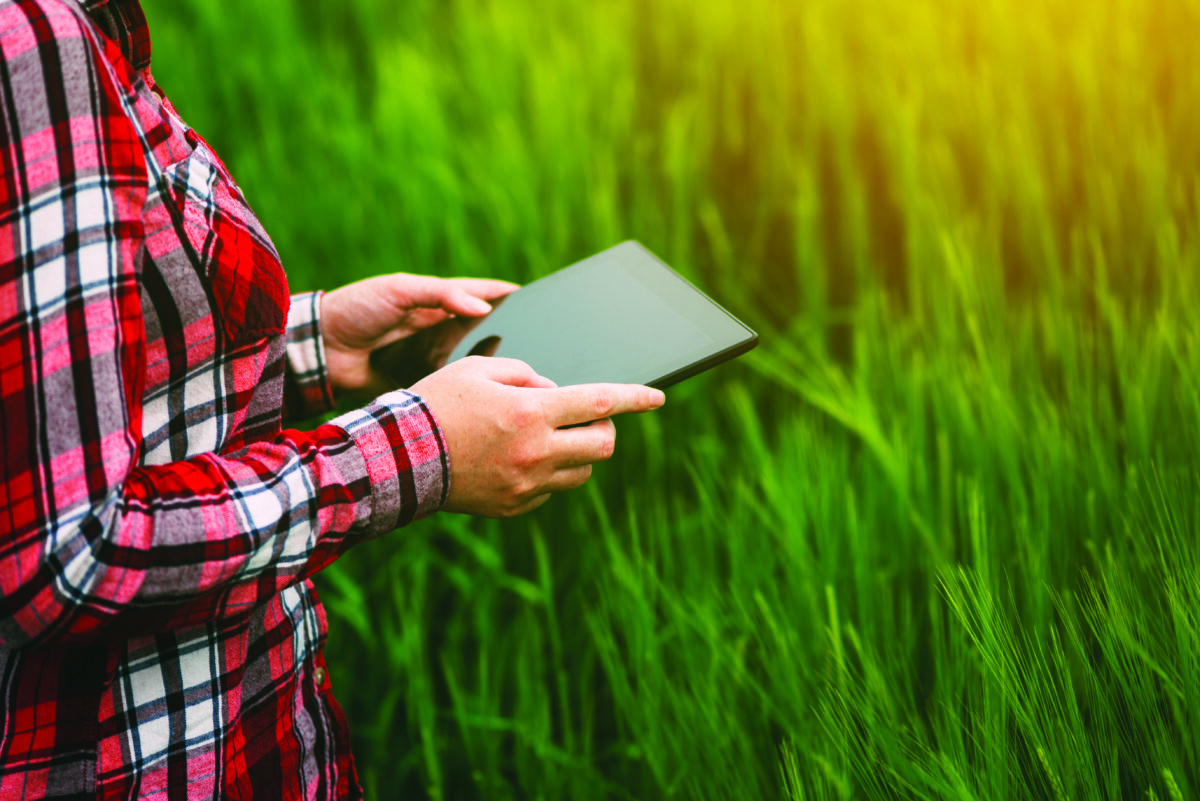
(406, 456)
(307, 391)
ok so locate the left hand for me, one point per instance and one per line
(361, 317)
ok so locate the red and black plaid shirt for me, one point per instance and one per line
(159, 636)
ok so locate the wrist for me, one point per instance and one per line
(406, 458)
(308, 390)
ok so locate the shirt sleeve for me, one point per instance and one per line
(306, 391)
(91, 544)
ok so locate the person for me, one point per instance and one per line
(159, 634)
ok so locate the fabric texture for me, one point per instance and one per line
(159, 635)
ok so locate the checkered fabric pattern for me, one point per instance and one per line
(159, 636)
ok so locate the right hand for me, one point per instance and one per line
(501, 421)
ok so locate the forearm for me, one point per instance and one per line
(215, 536)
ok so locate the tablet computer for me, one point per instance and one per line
(620, 316)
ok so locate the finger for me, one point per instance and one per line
(475, 292)
(459, 301)
(569, 478)
(425, 318)
(584, 402)
(520, 509)
(414, 321)
(528, 506)
(429, 292)
(584, 445)
(485, 288)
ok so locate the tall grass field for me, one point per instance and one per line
(938, 537)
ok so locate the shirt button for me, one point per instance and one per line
(319, 676)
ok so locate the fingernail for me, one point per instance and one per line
(657, 398)
(480, 306)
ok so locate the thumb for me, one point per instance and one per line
(459, 301)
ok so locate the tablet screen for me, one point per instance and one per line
(621, 316)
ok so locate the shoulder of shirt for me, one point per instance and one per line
(26, 26)
(46, 20)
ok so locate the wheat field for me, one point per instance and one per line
(937, 537)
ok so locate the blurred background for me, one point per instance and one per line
(937, 537)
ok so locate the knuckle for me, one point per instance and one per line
(584, 474)
(607, 446)
(524, 456)
(522, 414)
(522, 489)
(603, 403)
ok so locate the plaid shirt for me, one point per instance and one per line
(159, 636)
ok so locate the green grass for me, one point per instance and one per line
(938, 537)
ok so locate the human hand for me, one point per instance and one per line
(502, 424)
(361, 317)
